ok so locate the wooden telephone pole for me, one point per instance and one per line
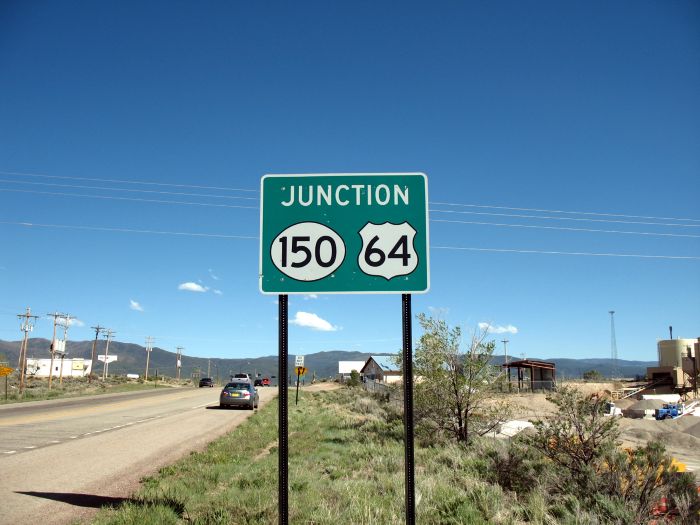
(98, 329)
(27, 321)
(64, 345)
(149, 347)
(178, 364)
(105, 369)
(52, 348)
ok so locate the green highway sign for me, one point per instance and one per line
(344, 233)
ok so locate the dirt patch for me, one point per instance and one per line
(318, 387)
(680, 436)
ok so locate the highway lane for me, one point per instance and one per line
(61, 459)
(26, 426)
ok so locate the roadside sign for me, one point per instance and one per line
(110, 358)
(6, 371)
(300, 370)
(299, 360)
(344, 233)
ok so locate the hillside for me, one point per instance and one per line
(132, 359)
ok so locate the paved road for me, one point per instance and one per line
(62, 459)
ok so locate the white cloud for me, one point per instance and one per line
(212, 275)
(61, 321)
(192, 287)
(439, 310)
(509, 329)
(217, 292)
(134, 305)
(310, 296)
(313, 321)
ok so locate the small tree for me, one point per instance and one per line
(593, 376)
(354, 378)
(577, 437)
(454, 388)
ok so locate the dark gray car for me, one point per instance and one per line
(239, 393)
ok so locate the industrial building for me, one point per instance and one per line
(679, 364)
(71, 367)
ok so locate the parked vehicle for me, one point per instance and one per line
(266, 381)
(258, 382)
(611, 410)
(239, 393)
(206, 381)
(669, 411)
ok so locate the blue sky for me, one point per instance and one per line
(580, 106)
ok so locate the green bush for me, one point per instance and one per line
(354, 379)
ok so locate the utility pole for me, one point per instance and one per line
(98, 329)
(208, 367)
(52, 348)
(178, 364)
(505, 359)
(109, 335)
(64, 345)
(149, 347)
(27, 321)
(613, 345)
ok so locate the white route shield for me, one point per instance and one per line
(387, 250)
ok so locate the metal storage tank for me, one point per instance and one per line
(672, 351)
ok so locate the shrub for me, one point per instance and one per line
(354, 379)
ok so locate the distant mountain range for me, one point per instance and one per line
(132, 359)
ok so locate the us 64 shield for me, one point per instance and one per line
(387, 250)
(344, 233)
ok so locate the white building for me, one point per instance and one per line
(72, 367)
(345, 368)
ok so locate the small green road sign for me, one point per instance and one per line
(344, 233)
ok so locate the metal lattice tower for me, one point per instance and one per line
(613, 345)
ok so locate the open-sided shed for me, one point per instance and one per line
(532, 374)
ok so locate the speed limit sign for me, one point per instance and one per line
(344, 233)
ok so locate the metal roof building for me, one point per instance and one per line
(532, 374)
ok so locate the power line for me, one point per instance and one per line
(236, 206)
(564, 228)
(435, 203)
(459, 248)
(252, 237)
(564, 211)
(158, 201)
(132, 190)
(545, 252)
(129, 230)
(121, 181)
(520, 216)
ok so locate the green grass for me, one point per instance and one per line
(38, 390)
(345, 466)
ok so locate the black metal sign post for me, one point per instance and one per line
(296, 402)
(408, 409)
(283, 451)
